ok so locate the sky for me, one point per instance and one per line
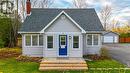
(120, 8)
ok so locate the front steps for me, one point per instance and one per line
(63, 64)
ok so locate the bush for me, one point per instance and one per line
(104, 52)
(103, 55)
(29, 59)
(5, 26)
(125, 35)
(1, 43)
(9, 52)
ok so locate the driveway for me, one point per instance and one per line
(120, 52)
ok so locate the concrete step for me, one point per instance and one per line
(62, 68)
(63, 65)
(63, 62)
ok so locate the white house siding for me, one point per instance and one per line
(54, 52)
(91, 49)
(31, 51)
(63, 26)
(111, 38)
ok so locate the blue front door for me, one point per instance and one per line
(62, 45)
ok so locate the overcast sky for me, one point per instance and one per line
(121, 8)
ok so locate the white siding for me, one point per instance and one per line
(63, 24)
(31, 51)
(70, 51)
(111, 38)
(88, 49)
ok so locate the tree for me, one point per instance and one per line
(9, 25)
(80, 3)
(4, 30)
(23, 9)
(42, 3)
(105, 16)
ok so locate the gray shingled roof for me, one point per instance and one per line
(39, 18)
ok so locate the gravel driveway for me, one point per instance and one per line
(120, 52)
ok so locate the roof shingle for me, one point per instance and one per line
(39, 18)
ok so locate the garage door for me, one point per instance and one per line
(108, 39)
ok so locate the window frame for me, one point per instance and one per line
(52, 42)
(32, 41)
(37, 40)
(78, 42)
(97, 40)
(93, 39)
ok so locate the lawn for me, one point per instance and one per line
(105, 64)
(11, 65)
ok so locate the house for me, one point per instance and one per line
(110, 37)
(50, 32)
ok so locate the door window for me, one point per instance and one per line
(62, 40)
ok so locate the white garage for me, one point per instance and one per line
(110, 37)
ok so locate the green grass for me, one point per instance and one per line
(105, 64)
(10, 65)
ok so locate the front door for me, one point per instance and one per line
(62, 45)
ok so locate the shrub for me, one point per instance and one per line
(29, 59)
(104, 52)
(9, 52)
(103, 55)
(1, 43)
(125, 35)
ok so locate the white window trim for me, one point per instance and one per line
(31, 40)
(93, 40)
(42, 41)
(47, 43)
(25, 41)
(73, 40)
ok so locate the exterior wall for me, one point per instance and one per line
(71, 52)
(111, 38)
(30, 50)
(83, 49)
(91, 49)
(63, 24)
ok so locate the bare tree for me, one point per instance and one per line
(34, 3)
(80, 3)
(105, 15)
(42, 3)
(23, 10)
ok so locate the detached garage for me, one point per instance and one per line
(110, 37)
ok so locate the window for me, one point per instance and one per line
(95, 39)
(75, 41)
(92, 39)
(89, 40)
(62, 40)
(49, 41)
(28, 40)
(40, 40)
(34, 40)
